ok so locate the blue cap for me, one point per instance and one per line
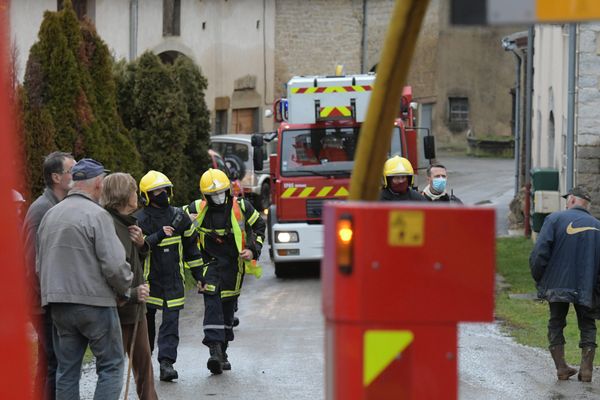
(87, 168)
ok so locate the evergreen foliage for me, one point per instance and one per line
(159, 121)
(69, 99)
(164, 108)
(192, 85)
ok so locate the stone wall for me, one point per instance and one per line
(588, 119)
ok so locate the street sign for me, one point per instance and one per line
(499, 12)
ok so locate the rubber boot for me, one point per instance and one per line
(563, 371)
(167, 372)
(215, 361)
(226, 365)
(587, 364)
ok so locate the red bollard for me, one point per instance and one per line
(397, 278)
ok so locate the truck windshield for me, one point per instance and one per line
(323, 151)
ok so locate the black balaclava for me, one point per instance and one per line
(161, 200)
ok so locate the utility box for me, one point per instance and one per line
(394, 289)
(546, 201)
(545, 198)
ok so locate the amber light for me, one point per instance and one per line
(345, 234)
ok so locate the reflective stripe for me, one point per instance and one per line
(255, 215)
(170, 240)
(154, 300)
(190, 231)
(210, 288)
(259, 239)
(147, 266)
(213, 327)
(228, 327)
(220, 232)
(195, 263)
(176, 302)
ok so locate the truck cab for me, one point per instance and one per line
(317, 138)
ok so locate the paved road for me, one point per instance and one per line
(278, 351)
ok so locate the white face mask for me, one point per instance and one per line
(218, 198)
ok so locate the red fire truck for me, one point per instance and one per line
(317, 137)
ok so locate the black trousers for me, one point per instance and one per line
(218, 318)
(558, 321)
(168, 333)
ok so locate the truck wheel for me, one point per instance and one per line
(280, 270)
(264, 200)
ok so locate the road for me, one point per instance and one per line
(279, 346)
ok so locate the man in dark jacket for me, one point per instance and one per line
(57, 177)
(437, 178)
(173, 247)
(398, 179)
(228, 248)
(565, 263)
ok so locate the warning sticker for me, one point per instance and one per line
(406, 228)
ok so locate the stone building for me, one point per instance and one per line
(550, 117)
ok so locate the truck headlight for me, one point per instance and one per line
(286, 237)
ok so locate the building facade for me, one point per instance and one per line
(550, 117)
(249, 49)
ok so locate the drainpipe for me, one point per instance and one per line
(133, 28)
(528, 106)
(517, 121)
(363, 61)
(571, 106)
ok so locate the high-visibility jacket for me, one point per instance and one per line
(223, 232)
(164, 267)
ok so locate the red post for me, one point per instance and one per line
(15, 372)
(391, 313)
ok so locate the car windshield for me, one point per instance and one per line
(323, 151)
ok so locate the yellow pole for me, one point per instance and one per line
(375, 135)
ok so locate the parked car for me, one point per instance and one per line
(238, 153)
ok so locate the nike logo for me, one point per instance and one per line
(573, 231)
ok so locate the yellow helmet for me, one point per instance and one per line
(398, 166)
(154, 180)
(214, 181)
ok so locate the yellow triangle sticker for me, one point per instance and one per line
(380, 348)
(342, 192)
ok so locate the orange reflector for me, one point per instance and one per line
(344, 235)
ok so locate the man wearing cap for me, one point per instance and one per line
(82, 269)
(565, 263)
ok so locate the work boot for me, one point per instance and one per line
(215, 361)
(563, 371)
(226, 365)
(236, 321)
(167, 372)
(587, 364)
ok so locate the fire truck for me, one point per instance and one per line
(319, 126)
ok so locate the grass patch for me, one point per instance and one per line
(527, 320)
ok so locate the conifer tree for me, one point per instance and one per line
(160, 122)
(193, 84)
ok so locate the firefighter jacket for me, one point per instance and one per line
(223, 232)
(410, 195)
(565, 261)
(164, 267)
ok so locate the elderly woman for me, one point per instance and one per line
(119, 197)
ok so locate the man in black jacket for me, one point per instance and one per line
(173, 246)
(437, 178)
(565, 263)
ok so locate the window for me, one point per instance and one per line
(83, 8)
(459, 109)
(171, 17)
(458, 113)
(220, 122)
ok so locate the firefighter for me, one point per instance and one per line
(172, 245)
(231, 234)
(398, 179)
